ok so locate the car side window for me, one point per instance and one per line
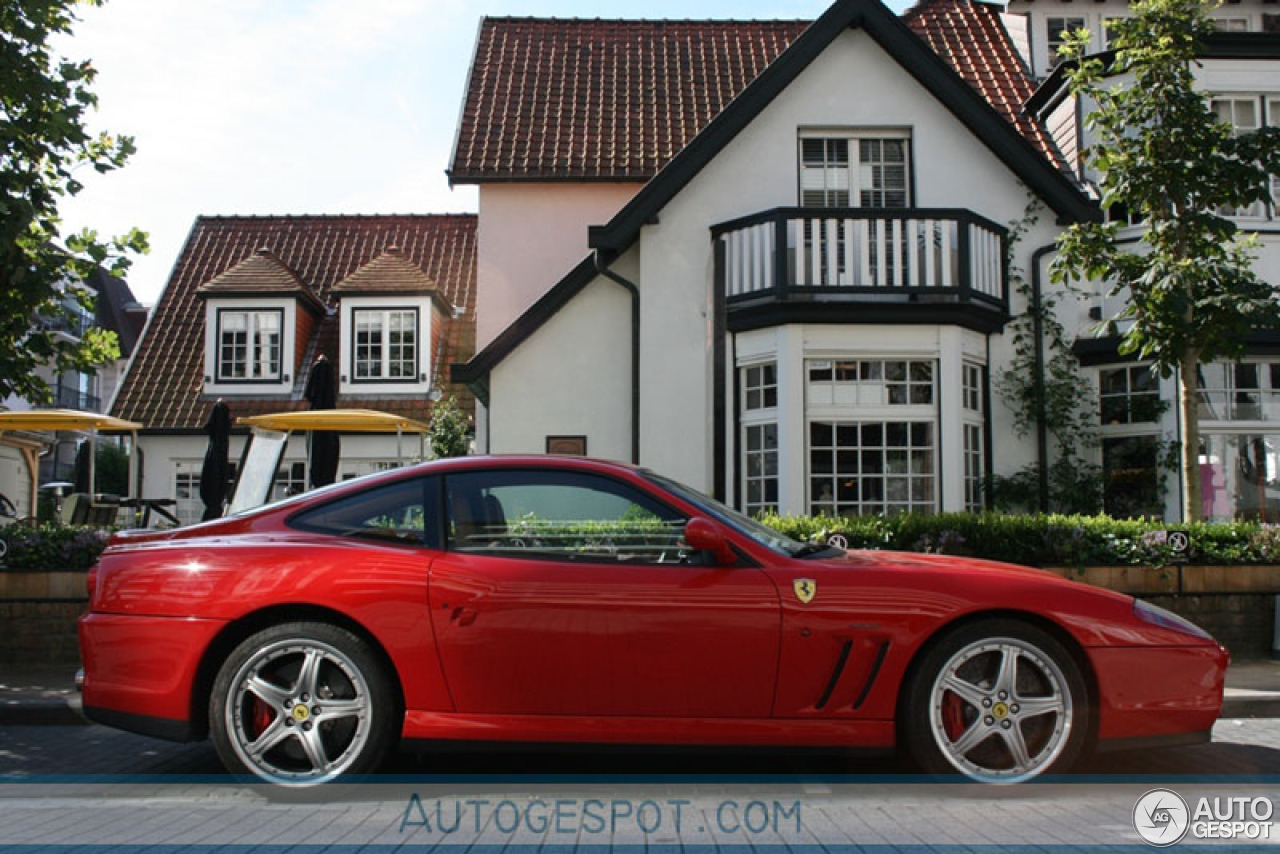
(401, 512)
(560, 515)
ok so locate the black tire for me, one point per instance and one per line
(264, 729)
(963, 713)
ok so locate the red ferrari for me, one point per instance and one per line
(564, 600)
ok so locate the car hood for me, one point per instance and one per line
(912, 561)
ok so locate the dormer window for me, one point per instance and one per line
(256, 313)
(249, 345)
(386, 344)
(391, 316)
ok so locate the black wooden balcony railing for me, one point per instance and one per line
(864, 255)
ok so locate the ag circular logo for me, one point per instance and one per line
(1161, 817)
(4, 549)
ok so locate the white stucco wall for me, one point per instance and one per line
(529, 236)
(757, 171)
(571, 378)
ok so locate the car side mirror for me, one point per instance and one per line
(706, 536)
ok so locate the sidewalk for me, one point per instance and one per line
(47, 695)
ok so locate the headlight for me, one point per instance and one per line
(1158, 616)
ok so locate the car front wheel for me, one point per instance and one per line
(996, 701)
(300, 704)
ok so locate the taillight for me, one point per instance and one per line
(91, 582)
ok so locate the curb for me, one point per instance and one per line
(41, 712)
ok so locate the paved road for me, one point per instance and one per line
(668, 797)
(1238, 747)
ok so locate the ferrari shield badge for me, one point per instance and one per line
(806, 589)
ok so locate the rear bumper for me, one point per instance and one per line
(1152, 692)
(139, 671)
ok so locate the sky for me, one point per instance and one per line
(296, 106)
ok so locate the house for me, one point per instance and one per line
(776, 259)
(28, 459)
(254, 302)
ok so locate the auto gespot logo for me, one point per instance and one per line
(1162, 818)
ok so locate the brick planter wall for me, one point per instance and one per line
(38, 613)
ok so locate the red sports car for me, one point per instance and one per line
(564, 600)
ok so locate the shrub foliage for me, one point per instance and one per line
(1044, 540)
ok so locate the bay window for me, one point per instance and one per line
(872, 436)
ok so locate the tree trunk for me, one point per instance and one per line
(1189, 409)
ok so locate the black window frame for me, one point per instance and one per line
(218, 376)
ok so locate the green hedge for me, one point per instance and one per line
(1050, 540)
(51, 547)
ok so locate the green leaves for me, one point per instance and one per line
(449, 430)
(44, 105)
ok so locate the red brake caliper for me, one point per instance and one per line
(261, 717)
(953, 715)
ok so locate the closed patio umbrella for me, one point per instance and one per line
(321, 392)
(216, 471)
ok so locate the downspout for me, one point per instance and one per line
(603, 269)
(1042, 430)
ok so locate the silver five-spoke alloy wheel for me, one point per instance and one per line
(302, 704)
(1000, 709)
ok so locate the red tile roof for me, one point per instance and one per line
(614, 100)
(567, 99)
(260, 273)
(973, 40)
(164, 386)
(391, 272)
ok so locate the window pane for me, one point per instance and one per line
(397, 513)
(560, 515)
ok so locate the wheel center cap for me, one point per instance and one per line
(1000, 710)
(301, 713)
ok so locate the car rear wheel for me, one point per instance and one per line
(300, 704)
(996, 701)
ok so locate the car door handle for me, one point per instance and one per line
(463, 616)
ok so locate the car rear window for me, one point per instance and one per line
(403, 512)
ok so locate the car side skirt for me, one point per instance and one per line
(165, 728)
(624, 730)
(1151, 742)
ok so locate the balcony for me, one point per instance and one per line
(863, 265)
(70, 397)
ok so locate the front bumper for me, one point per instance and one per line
(1149, 692)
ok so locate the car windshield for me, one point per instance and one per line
(762, 534)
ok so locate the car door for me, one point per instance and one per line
(567, 593)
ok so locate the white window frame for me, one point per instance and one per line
(974, 430)
(1053, 37)
(853, 177)
(872, 402)
(757, 420)
(1266, 112)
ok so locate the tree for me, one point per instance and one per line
(44, 143)
(1165, 161)
(448, 430)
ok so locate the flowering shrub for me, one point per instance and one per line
(1043, 540)
(52, 547)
